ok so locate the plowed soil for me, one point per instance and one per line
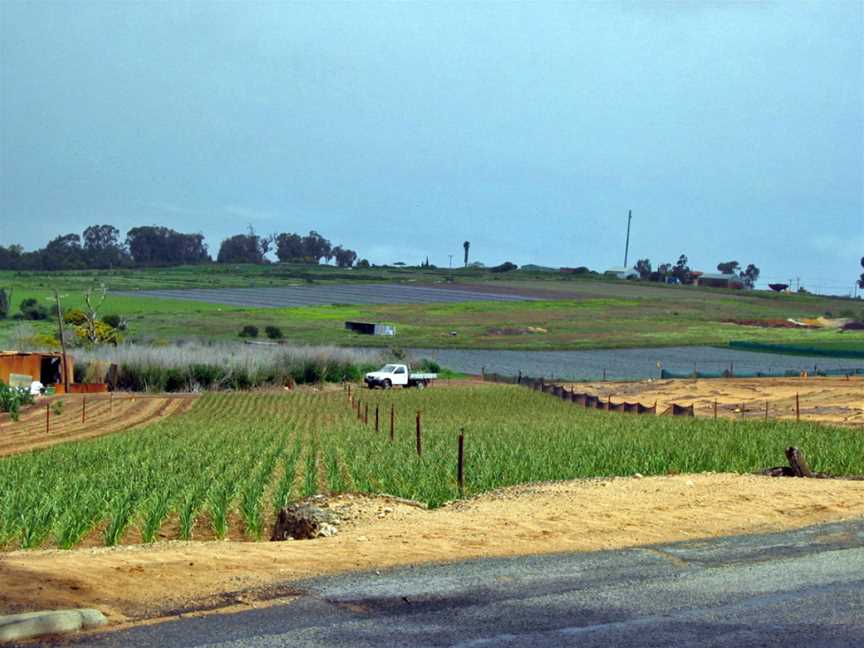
(821, 399)
(102, 414)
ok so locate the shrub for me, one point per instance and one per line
(75, 317)
(4, 304)
(33, 310)
(115, 321)
(249, 331)
(507, 266)
(428, 366)
(273, 332)
(95, 372)
(12, 398)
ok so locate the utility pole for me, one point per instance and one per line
(451, 268)
(797, 284)
(62, 342)
(627, 244)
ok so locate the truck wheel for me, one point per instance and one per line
(386, 384)
(421, 384)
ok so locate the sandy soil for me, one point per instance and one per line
(135, 583)
(102, 415)
(830, 400)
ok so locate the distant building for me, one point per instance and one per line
(622, 273)
(716, 280)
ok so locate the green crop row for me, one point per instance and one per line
(223, 468)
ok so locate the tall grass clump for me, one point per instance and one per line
(197, 367)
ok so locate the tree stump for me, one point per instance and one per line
(303, 522)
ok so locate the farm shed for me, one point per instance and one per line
(368, 328)
(714, 280)
(44, 367)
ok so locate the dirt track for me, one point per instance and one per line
(827, 400)
(140, 582)
(104, 415)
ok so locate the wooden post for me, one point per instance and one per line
(715, 409)
(376, 418)
(483, 374)
(359, 415)
(366, 414)
(111, 404)
(83, 408)
(797, 408)
(460, 466)
(766, 410)
(604, 375)
(392, 422)
(47, 418)
(419, 441)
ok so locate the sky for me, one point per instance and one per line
(732, 130)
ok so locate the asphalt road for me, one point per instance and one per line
(803, 588)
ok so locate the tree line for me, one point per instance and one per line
(102, 247)
(680, 271)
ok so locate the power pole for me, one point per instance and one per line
(451, 267)
(797, 284)
(627, 244)
(62, 342)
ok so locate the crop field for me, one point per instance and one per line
(73, 417)
(222, 468)
(328, 295)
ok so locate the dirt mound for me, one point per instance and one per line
(82, 417)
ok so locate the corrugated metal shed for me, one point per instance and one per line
(44, 367)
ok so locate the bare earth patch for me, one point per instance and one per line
(823, 399)
(136, 583)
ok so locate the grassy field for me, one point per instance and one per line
(573, 312)
(222, 468)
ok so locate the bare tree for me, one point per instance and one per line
(93, 298)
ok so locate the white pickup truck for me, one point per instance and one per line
(397, 374)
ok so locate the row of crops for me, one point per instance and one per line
(223, 468)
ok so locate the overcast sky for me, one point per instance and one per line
(732, 130)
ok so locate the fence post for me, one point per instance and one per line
(111, 404)
(366, 415)
(392, 422)
(519, 378)
(83, 408)
(47, 418)
(376, 418)
(359, 416)
(460, 466)
(797, 408)
(483, 374)
(766, 410)
(419, 441)
(604, 375)
(715, 409)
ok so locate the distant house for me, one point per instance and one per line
(715, 280)
(621, 273)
